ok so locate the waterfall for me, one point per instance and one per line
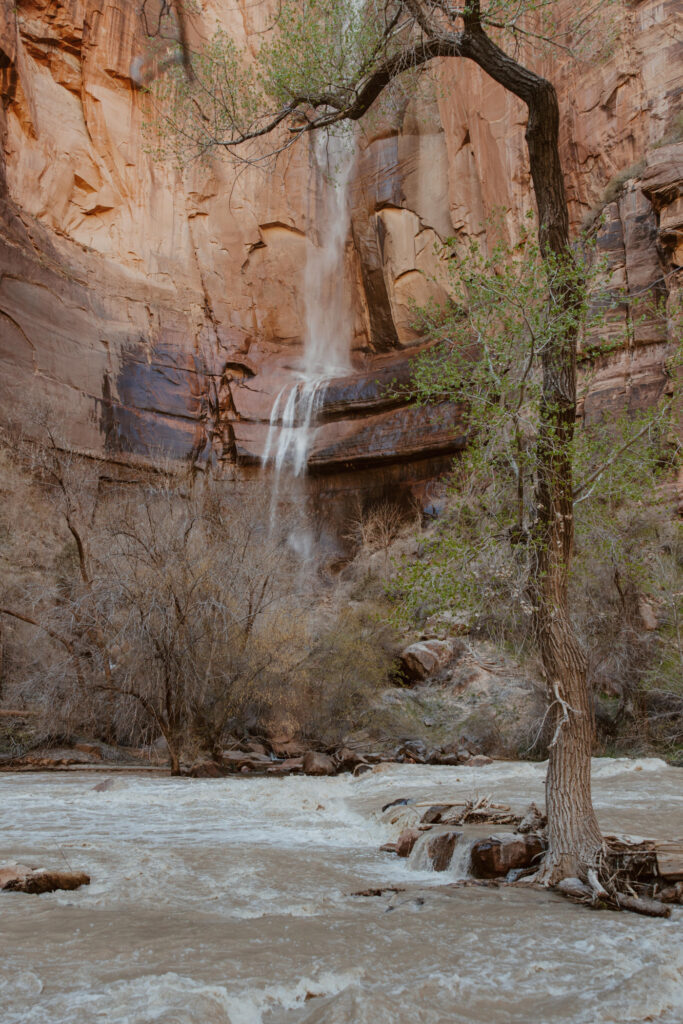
(327, 323)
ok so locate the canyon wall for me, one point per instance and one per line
(160, 309)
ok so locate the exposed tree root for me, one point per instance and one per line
(643, 877)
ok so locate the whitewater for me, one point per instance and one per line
(231, 901)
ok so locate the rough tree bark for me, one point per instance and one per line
(574, 836)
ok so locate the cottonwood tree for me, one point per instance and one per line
(488, 344)
(326, 62)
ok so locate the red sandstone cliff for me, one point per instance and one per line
(160, 309)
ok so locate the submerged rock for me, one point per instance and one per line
(495, 856)
(315, 763)
(478, 761)
(109, 784)
(389, 848)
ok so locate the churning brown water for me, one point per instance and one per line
(229, 902)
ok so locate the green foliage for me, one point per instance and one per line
(321, 48)
(506, 312)
(223, 100)
(316, 57)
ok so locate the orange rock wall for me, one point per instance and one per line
(163, 309)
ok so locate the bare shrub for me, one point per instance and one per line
(375, 528)
(351, 659)
(195, 604)
(173, 607)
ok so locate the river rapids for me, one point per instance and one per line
(230, 901)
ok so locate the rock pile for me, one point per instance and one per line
(504, 854)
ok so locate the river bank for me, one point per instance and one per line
(229, 901)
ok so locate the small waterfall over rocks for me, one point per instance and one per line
(327, 325)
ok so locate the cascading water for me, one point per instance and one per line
(327, 324)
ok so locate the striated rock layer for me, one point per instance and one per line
(162, 310)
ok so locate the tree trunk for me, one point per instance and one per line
(574, 835)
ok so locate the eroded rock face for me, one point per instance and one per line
(163, 311)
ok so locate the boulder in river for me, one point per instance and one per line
(478, 761)
(432, 816)
(316, 763)
(12, 872)
(495, 856)
(348, 759)
(18, 878)
(406, 841)
(414, 751)
(440, 849)
(451, 760)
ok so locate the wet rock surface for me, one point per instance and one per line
(19, 878)
(315, 763)
(406, 841)
(440, 849)
(495, 856)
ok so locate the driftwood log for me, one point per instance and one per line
(643, 876)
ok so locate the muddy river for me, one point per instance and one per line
(230, 901)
